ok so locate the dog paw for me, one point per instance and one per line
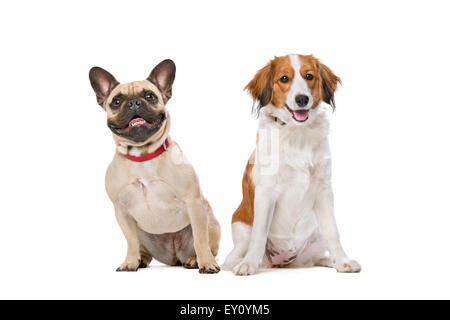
(349, 266)
(209, 267)
(230, 263)
(129, 266)
(144, 262)
(191, 263)
(245, 268)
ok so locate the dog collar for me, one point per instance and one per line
(278, 120)
(149, 156)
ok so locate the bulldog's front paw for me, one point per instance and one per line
(208, 267)
(348, 266)
(129, 266)
(245, 268)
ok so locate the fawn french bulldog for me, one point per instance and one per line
(156, 194)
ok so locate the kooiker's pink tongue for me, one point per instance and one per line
(300, 115)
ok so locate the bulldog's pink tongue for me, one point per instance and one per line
(136, 122)
(300, 115)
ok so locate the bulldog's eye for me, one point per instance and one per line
(309, 76)
(116, 102)
(151, 97)
(284, 79)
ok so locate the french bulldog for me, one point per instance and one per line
(156, 194)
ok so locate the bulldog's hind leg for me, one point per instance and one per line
(241, 239)
(184, 248)
(146, 258)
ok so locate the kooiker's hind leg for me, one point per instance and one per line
(314, 254)
(319, 256)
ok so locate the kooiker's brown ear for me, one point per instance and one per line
(103, 83)
(260, 88)
(329, 85)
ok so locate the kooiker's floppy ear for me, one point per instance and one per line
(260, 88)
(103, 83)
(329, 84)
(163, 76)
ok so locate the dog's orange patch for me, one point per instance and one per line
(311, 65)
(271, 75)
(281, 66)
(322, 74)
(244, 212)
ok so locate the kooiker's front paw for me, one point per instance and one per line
(245, 268)
(209, 267)
(349, 266)
(129, 266)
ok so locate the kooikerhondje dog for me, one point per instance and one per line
(286, 217)
(155, 191)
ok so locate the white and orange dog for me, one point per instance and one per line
(286, 217)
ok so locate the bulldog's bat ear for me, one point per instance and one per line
(103, 83)
(163, 76)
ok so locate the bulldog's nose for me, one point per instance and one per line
(134, 104)
(301, 100)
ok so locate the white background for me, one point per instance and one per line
(390, 131)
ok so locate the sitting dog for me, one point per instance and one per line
(286, 216)
(155, 191)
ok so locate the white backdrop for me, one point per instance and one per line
(58, 234)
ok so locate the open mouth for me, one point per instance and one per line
(138, 122)
(298, 115)
(138, 128)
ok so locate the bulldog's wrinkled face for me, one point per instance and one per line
(136, 111)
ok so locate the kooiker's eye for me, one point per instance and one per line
(284, 79)
(309, 76)
(150, 96)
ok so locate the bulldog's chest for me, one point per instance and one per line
(152, 201)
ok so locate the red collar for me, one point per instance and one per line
(150, 156)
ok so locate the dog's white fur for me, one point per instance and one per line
(293, 204)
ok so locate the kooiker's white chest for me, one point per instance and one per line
(301, 153)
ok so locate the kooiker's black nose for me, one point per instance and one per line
(134, 104)
(301, 100)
